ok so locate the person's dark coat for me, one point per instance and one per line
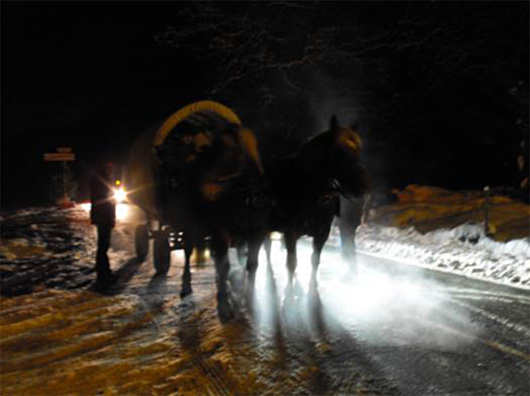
(103, 209)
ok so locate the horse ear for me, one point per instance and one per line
(333, 123)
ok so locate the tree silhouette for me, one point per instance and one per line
(437, 88)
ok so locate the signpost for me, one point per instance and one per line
(63, 154)
(487, 192)
(59, 157)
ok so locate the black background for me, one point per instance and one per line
(441, 99)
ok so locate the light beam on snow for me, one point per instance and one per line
(378, 307)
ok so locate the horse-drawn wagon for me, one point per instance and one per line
(198, 175)
(173, 166)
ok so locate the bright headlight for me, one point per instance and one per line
(120, 195)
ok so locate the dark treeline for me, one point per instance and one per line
(439, 90)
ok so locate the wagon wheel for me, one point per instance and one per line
(141, 242)
(162, 252)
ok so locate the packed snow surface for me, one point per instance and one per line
(140, 337)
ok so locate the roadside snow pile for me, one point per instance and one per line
(433, 208)
(463, 250)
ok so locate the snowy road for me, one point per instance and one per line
(401, 332)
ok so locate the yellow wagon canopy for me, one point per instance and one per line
(203, 105)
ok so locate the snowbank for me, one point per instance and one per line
(432, 208)
(463, 250)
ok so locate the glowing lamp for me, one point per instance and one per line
(120, 195)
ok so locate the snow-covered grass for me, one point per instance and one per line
(444, 230)
(463, 250)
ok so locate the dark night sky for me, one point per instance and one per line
(91, 76)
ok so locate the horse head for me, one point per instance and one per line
(346, 166)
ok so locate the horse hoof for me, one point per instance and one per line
(249, 294)
(225, 312)
(251, 280)
(186, 291)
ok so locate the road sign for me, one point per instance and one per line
(64, 149)
(59, 157)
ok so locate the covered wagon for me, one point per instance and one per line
(178, 166)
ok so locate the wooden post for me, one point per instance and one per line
(65, 197)
(486, 210)
(63, 154)
(366, 208)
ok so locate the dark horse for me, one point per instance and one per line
(217, 192)
(306, 189)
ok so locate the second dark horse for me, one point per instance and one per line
(306, 189)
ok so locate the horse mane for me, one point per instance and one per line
(329, 161)
(314, 154)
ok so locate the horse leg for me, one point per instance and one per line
(353, 258)
(242, 253)
(349, 255)
(200, 249)
(267, 244)
(222, 267)
(254, 246)
(186, 275)
(290, 244)
(353, 217)
(318, 243)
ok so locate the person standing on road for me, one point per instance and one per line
(103, 215)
